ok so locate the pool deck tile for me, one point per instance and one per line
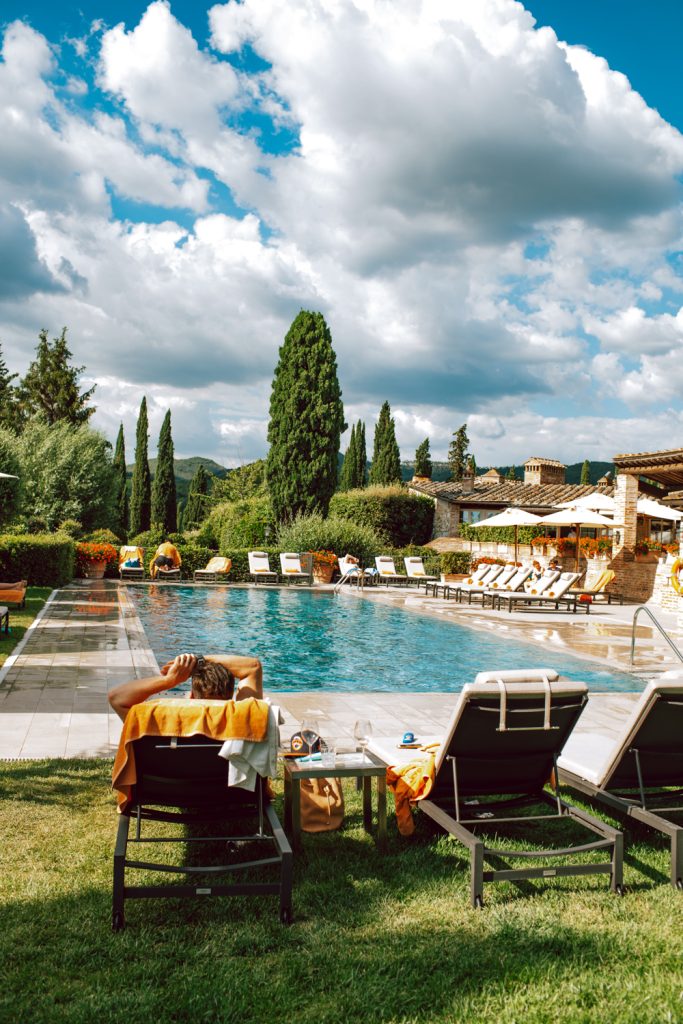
(53, 689)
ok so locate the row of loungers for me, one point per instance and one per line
(513, 740)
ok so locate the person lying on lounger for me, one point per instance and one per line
(213, 678)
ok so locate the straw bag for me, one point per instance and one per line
(322, 805)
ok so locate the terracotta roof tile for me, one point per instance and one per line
(528, 496)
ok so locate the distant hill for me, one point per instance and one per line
(184, 470)
(441, 471)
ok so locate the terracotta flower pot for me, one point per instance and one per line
(323, 573)
(95, 570)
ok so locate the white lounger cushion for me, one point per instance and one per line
(518, 675)
(607, 729)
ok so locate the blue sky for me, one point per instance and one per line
(486, 209)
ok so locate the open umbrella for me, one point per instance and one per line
(649, 507)
(578, 517)
(596, 502)
(511, 517)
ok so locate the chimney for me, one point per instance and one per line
(467, 482)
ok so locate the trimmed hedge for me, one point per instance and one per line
(44, 560)
(402, 517)
(500, 534)
(456, 561)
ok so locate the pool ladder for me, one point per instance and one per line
(660, 627)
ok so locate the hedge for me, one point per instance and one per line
(402, 517)
(500, 534)
(45, 560)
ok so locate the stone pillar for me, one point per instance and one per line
(625, 512)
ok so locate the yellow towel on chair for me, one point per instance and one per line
(218, 719)
(410, 782)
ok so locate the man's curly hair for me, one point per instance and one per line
(211, 681)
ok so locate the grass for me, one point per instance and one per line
(21, 618)
(375, 938)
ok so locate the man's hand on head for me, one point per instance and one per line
(180, 669)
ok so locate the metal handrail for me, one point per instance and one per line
(672, 645)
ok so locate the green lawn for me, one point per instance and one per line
(375, 938)
(21, 618)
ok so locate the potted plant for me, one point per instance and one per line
(92, 559)
(324, 563)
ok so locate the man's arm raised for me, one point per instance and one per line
(123, 697)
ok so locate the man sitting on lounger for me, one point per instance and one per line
(213, 678)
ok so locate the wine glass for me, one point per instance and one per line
(310, 732)
(362, 731)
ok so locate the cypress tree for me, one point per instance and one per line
(50, 387)
(361, 456)
(386, 458)
(306, 421)
(348, 471)
(586, 472)
(140, 498)
(512, 473)
(457, 453)
(423, 460)
(164, 500)
(8, 397)
(197, 499)
(120, 486)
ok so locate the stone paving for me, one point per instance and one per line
(88, 638)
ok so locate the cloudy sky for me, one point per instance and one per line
(483, 198)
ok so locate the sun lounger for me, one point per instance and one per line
(386, 571)
(416, 572)
(216, 569)
(499, 580)
(475, 583)
(449, 589)
(514, 584)
(259, 567)
(349, 572)
(168, 550)
(555, 594)
(291, 571)
(13, 593)
(627, 753)
(180, 779)
(598, 590)
(128, 553)
(498, 753)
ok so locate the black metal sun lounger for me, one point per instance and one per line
(187, 775)
(498, 755)
(628, 756)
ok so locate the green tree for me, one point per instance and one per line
(457, 453)
(306, 421)
(348, 470)
(586, 472)
(243, 482)
(512, 473)
(164, 499)
(50, 387)
(423, 460)
(10, 489)
(8, 397)
(361, 478)
(67, 472)
(141, 488)
(386, 458)
(198, 502)
(121, 486)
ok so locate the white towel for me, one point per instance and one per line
(247, 760)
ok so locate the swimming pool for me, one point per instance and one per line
(314, 640)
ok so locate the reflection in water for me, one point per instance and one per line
(313, 640)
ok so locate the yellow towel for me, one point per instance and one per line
(219, 720)
(410, 782)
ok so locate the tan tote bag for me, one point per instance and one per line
(322, 805)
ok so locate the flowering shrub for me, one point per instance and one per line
(486, 560)
(90, 551)
(543, 542)
(321, 558)
(562, 544)
(592, 547)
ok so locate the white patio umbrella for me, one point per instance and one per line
(596, 502)
(652, 508)
(512, 516)
(578, 517)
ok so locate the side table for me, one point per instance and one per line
(346, 766)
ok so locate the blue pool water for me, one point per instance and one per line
(310, 640)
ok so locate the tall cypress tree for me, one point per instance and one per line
(164, 500)
(348, 471)
(386, 458)
(8, 397)
(361, 456)
(306, 421)
(423, 460)
(197, 499)
(586, 472)
(140, 497)
(457, 453)
(120, 486)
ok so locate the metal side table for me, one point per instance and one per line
(346, 766)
